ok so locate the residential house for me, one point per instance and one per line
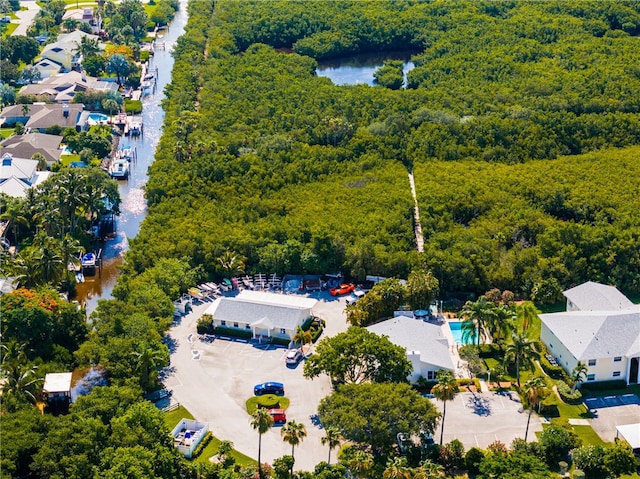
(61, 88)
(17, 175)
(83, 15)
(426, 343)
(48, 67)
(65, 50)
(600, 328)
(25, 146)
(265, 315)
(57, 389)
(40, 116)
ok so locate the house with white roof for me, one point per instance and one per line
(17, 175)
(426, 344)
(57, 388)
(263, 314)
(600, 328)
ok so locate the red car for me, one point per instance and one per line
(278, 415)
(344, 288)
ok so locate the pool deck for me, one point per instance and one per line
(461, 370)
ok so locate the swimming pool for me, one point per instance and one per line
(456, 331)
(98, 118)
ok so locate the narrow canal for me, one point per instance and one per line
(134, 207)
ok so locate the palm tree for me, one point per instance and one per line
(500, 324)
(360, 463)
(303, 337)
(397, 469)
(13, 212)
(231, 263)
(50, 265)
(119, 65)
(579, 374)
(224, 449)
(331, 438)
(533, 389)
(19, 378)
(480, 313)
(148, 360)
(261, 421)
(445, 390)
(294, 433)
(522, 352)
(430, 470)
(526, 314)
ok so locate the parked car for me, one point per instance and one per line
(278, 415)
(344, 288)
(355, 296)
(5, 19)
(270, 387)
(294, 356)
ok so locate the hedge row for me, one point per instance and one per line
(566, 395)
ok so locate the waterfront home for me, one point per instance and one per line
(17, 175)
(25, 146)
(62, 88)
(65, 50)
(41, 116)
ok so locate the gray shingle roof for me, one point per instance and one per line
(592, 296)
(416, 335)
(246, 311)
(597, 334)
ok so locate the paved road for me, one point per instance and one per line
(215, 385)
(26, 16)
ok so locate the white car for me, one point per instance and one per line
(355, 296)
(294, 356)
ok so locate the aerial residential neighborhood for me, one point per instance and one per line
(273, 239)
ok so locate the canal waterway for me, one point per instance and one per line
(134, 208)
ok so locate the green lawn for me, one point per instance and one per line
(172, 418)
(6, 132)
(66, 160)
(588, 435)
(252, 402)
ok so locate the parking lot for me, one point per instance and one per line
(613, 411)
(478, 419)
(213, 379)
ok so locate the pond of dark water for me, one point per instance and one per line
(359, 69)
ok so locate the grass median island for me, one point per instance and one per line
(267, 401)
(172, 418)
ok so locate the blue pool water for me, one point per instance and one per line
(456, 331)
(98, 117)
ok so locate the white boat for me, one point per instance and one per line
(126, 153)
(119, 169)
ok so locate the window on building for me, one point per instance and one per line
(551, 345)
(591, 377)
(431, 375)
(235, 325)
(616, 374)
(223, 323)
(283, 331)
(592, 362)
(246, 326)
(617, 359)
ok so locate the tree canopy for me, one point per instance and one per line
(358, 356)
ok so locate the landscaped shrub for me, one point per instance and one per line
(556, 442)
(549, 406)
(604, 385)
(205, 325)
(578, 474)
(280, 341)
(205, 441)
(566, 395)
(236, 333)
(492, 350)
(269, 401)
(589, 459)
(472, 459)
(556, 372)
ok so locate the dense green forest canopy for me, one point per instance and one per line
(262, 157)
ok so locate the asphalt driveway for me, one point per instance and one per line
(214, 379)
(478, 419)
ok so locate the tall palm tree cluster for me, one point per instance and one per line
(49, 226)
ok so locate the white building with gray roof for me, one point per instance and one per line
(600, 328)
(426, 343)
(264, 314)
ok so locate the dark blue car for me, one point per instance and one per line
(270, 387)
